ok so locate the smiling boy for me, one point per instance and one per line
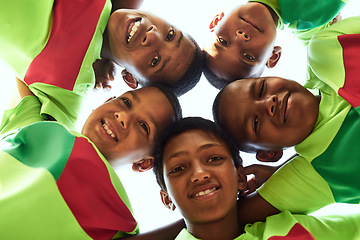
(52, 45)
(58, 183)
(199, 171)
(279, 113)
(243, 42)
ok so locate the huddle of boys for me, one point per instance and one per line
(71, 182)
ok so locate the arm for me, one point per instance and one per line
(254, 208)
(168, 232)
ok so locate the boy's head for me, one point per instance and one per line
(199, 167)
(242, 44)
(153, 51)
(265, 115)
(126, 128)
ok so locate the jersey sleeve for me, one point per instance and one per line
(297, 187)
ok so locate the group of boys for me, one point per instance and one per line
(62, 183)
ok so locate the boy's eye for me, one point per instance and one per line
(170, 35)
(222, 41)
(127, 102)
(176, 170)
(262, 88)
(155, 61)
(256, 124)
(145, 127)
(215, 158)
(248, 57)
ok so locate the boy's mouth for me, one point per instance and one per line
(132, 29)
(252, 24)
(108, 130)
(204, 191)
(285, 103)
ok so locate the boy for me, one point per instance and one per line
(60, 184)
(52, 45)
(274, 113)
(244, 39)
(199, 171)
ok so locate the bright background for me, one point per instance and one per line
(192, 16)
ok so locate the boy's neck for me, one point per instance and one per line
(226, 228)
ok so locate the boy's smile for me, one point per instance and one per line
(200, 176)
(127, 126)
(271, 112)
(148, 47)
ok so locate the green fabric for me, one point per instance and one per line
(28, 38)
(37, 146)
(18, 194)
(25, 113)
(297, 186)
(339, 164)
(306, 13)
(25, 28)
(333, 222)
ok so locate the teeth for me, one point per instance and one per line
(207, 191)
(134, 28)
(109, 131)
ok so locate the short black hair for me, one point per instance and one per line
(192, 75)
(218, 82)
(215, 111)
(184, 125)
(173, 100)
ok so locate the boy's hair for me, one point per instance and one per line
(173, 100)
(191, 76)
(215, 110)
(218, 82)
(184, 125)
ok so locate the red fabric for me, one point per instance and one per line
(86, 187)
(74, 24)
(297, 232)
(351, 55)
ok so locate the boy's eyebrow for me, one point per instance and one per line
(252, 87)
(202, 147)
(134, 95)
(179, 40)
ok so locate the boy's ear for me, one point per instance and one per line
(215, 21)
(129, 79)
(269, 156)
(241, 178)
(275, 57)
(143, 165)
(166, 200)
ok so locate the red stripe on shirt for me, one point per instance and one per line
(87, 189)
(297, 232)
(74, 24)
(351, 55)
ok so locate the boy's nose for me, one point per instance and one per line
(271, 105)
(242, 36)
(151, 36)
(122, 118)
(199, 174)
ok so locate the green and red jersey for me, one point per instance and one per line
(333, 222)
(51, 46)
(305, 17)
(326, 170)
(55, 184)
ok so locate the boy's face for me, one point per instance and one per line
(200, 176)
(243, 42)
(268, 113)
(125, 128)
(148, 47)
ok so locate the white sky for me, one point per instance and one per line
(192, 16)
